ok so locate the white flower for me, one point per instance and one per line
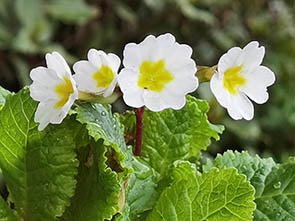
(240, 77)
(157, 73)
(98, 75)
(54, 88)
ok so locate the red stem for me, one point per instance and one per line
(139, 123)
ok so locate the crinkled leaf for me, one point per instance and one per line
(110, 169)
(277, 200)
(220, 194)
(274, 184)
(141, 193)
(6, 213)
(102, 124)
(39, 168)
(71, 11)
(98, 189)
(3, 95)
(174, 134)
(255, 168)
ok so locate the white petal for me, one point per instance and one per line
(45, 76)
(85, 68)
(134, 100)
(114, 61)
(148, 48)
(40, 93)
(238, 106)
(156, 102)
(131, 56)
(229, 59)
(132, 94)
(44, 80)
(83, 76)
(164, 47)
(216, 86)
(127, 80)
(257, 82)
(97, 58)
(46, 113)
(108, 91)
(166, 39)
(189, 69)
(153, 101)
(177, 56)
(172, 101)
(42, 115)
(252, 56)
(66, 108)
(181, 87)
(57, 63)
(233, 111)
(244, 105)
(185, 80)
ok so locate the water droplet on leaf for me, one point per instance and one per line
(103, 113)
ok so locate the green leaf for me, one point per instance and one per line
(274, 184)
(71, 11)
(255, 168)
(220, 194)
(277, 200)
(39, 168)
(172, 135)
(29, 12)
(6, 213)
(102, 124)
(98, 189)
(33, 28)
(194, 13)
(141, 193)
(3, 95)
(104, 169)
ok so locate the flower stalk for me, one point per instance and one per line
(139, 124)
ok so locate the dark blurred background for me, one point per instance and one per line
(30, 28)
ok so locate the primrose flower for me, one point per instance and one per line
(54, 88)
(157, 73)
(98, 75)
(240, 77)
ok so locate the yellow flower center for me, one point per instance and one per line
(232, 79)
(104, 77)
(154, 76)
(63, 90)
